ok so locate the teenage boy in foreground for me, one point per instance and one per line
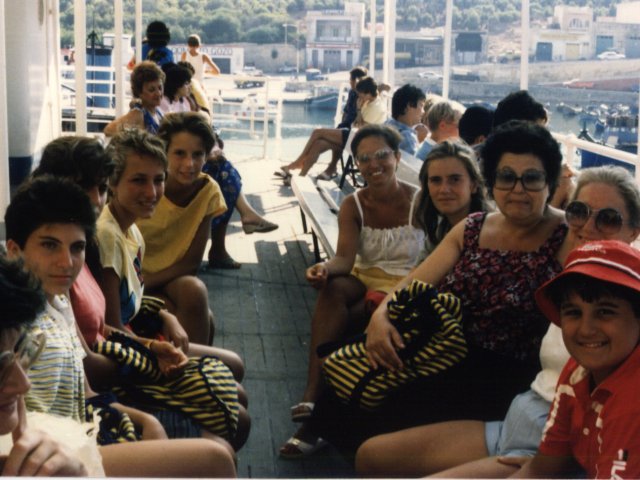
(594, 422)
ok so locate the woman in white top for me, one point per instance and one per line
(377, 244)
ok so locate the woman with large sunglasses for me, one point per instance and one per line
(378, 243)
(605, 206)
(493, 262)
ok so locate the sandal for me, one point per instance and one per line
(300, 449)
(262, 226)
(301, 412)
(226, 263)
(282, 173)
(327, 176)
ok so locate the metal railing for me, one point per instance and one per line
(571, 144)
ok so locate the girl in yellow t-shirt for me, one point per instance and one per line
(175, 236)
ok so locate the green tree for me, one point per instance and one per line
(223, 27)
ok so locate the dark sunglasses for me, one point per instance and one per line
(532, 180)
(26, 351)
(607, 220)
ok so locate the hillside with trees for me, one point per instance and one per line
(260, 21)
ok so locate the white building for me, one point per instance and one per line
(620, 33)
(334, 37)
(569, 36)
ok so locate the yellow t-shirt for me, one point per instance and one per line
(168, 234)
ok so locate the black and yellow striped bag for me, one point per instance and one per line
(205, 391)
(429, 323)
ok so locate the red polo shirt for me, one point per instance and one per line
(600, 429)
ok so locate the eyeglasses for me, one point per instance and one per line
(607, 220)
(379, 156)
(532, 180)
(26, 351)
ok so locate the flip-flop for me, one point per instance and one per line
(304, 411)
(282, 173)
(303, 448)
(227, 263)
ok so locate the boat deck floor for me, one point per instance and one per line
(263, 312)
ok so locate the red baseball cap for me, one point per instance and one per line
(608, 260)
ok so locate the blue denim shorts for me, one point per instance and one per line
(520, 432)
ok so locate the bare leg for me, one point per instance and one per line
(168, 458)
(229, 358)
(332, 141)
(340, 304)
(218, 254)
(191, 300)
(321, 140)
(487, 467)
(329, 322)
(246, 211)
(423, 450)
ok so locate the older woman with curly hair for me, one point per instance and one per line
(147, 86)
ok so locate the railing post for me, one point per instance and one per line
(446, 61)
(5, 189)
(80, 72)
(524, 46)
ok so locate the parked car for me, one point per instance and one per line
(611, 55)
(429, 75)
(287, 69)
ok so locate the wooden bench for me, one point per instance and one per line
(318, 215)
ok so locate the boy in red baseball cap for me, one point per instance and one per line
(594, 422)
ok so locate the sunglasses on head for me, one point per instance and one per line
(607, 220)
(532, 180)
(26, 351)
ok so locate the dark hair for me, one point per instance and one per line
(191, 122)
(367, 85)
(427, 215)
(476, 121)
(175, 77)
(389, 135)
(84, 161)
(188, 66)
(134, 141)
(80, 159)
(406, 96)
(521, 137)
(143, 72)
(358, 72)
(158, 34)
(21, 297)
(518, 106)
(590, 290)
(46, 200)
(193, 40)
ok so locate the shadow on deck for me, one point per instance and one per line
(263, 312)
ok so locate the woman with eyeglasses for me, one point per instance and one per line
(605, 206)
(378, 244)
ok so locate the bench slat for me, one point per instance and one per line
(319, 214)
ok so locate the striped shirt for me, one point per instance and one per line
(57, 377)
